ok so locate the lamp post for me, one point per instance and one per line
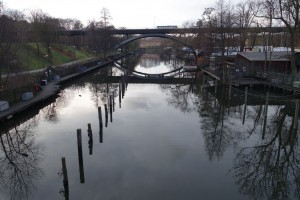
(44, 57)
(74, 52)
(94, 53)
(12, 64)
(50, 53)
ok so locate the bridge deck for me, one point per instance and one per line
(176, 31)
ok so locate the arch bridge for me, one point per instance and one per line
(129, 40)
(177, 31)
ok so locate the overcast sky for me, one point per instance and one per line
(124, 13)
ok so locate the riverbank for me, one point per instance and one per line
(52, 88)
(48, 91)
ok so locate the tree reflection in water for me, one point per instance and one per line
(180, 96)
(100, 90)
(264, 169)
(187, 99)
(217, 134)
(20, 157)
(270, 169)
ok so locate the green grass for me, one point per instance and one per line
(30, 59)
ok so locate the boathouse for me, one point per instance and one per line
(249, 64)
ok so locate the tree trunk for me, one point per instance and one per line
(37, 46)
(293, 56)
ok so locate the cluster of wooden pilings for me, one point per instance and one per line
(109, 108)
(213, 82)
(254, 81)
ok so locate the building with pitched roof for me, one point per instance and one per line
(251, 63)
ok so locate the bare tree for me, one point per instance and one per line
(219, 20)
(77, 24)
(287, 11)
(7, 37)
(43, 28)
(36, 18)
(70, 24)
(209, 22)
(246, 13)
(199, 41)
(1, 7)
(100, 39)
(105, 17)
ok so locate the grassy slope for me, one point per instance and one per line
(29, 58)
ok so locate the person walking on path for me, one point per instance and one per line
(36, 88)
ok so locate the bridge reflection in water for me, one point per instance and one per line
(166, 141)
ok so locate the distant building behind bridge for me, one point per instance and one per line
(167, 27)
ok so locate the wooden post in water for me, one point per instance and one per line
(101, 136)
(265, 115)
(216, 86)
(110, 107)
(202, 85)
(100, 125)
(207, 82)
(65, 178)
(229, 97)
(123, 90)
(296, 114)
(126, 82)
(113, 101)
(120, 94)
(230, 88)
(106, 115)
(90, 142)
(80, 157)
(245, 106)
(123, 86)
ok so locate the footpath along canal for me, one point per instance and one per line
(50, 90)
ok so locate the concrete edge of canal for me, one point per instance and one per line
(48, 92)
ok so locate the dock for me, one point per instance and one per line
(247, 82)
(242, 81)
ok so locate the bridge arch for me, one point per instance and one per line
(160, 36)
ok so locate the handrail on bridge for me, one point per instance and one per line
(211, 74)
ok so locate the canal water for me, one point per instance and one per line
(168, 142)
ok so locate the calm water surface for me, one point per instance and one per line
(164, 142)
